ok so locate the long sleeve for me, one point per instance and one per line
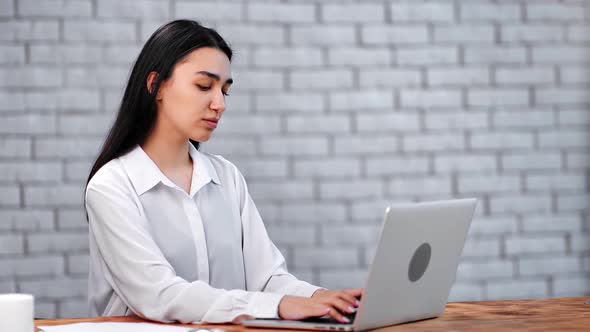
(145, 281)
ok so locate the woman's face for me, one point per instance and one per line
(192, 100)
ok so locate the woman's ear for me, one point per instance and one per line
(151, 81)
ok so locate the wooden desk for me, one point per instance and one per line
(562, 314)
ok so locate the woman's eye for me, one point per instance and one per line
(225, 93)
(204, 88)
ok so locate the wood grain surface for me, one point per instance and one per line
(560, 314)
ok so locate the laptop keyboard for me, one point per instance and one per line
(330, 320)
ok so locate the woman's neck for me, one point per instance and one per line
(167, 150)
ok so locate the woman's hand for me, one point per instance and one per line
(323, 302)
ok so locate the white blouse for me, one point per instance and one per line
(162, 254)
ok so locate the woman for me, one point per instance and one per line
(174, 233)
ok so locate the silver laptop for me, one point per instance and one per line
(413, 268)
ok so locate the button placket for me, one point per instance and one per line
(198, 230)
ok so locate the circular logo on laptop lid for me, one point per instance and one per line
(419, 262)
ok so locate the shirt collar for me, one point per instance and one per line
(145, 174)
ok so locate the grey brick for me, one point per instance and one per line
(72, 219)
(288, 57)
(443, 98)
(144, 9)
(12, 101)
(352, 189)
(292, 235)
(394, 35)
(281, 190)
(432, 142)
(426, 185)
(532, 33)
(557, 54)
(262, 167)
(465, 163)
(66, 54)
(239, 102)
(297, 146)
(482, 247)
(12, 244)
(577, 160)
(488, 183)
(564, 138)
(554, 12)
(372, 210)
(502, 140)
(551, 223)
(400, 165)
(535, 244)
(45, 30)
(350, 234)
(76, 170)
(563, 95)
(484, 270)
(466, 292)
(365, 99)
(59, 8)
(498, 97)
(6, 8)
(92, 31)
(35, 77)
(64, 100)
(388, 122)
(44, 196)
(496, 12)
(46, 265)
(284, 12)
(318, 124)
(249, 125)
(32, 124)
(349, 56)
(512, 203)
(544, 182)
(231, 146)
(251, 34)
(529, 118)
(259, 80)
(578, 33)
(455, 120)
(579, 242)
(574, 74)
(57, 242)
(26, 220)
(483, 34)
(567, 202)
(67, 147)
(27, 172)
(297, 102)
(386, 77)
(534, 75)
(331, 35)
(330, 257)
(342, 279)
(428, 55)
(85, 124)
(74, 308)
(15, 147)
(7, 286)
(321, 79)
(571, 286)
(320, 213)
(517, 289)
(353, 12)
(12, 54)
(425, 12)
(365, 145)
(493, 226)
(458, 76)
(45, 309)
(78, 264)
(531, 160)
(211, 10)
(495, 54)
(59, 288)
(95, 77)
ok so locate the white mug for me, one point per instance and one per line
(17, 313)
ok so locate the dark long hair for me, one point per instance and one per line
(138, 110)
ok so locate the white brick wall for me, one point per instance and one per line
(339, 109)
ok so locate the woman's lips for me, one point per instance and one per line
(211, 123)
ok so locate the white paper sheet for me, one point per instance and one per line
(117, 327)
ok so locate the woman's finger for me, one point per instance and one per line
(341, 305)
(348, 298)
(338, 316)
(356, 292)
